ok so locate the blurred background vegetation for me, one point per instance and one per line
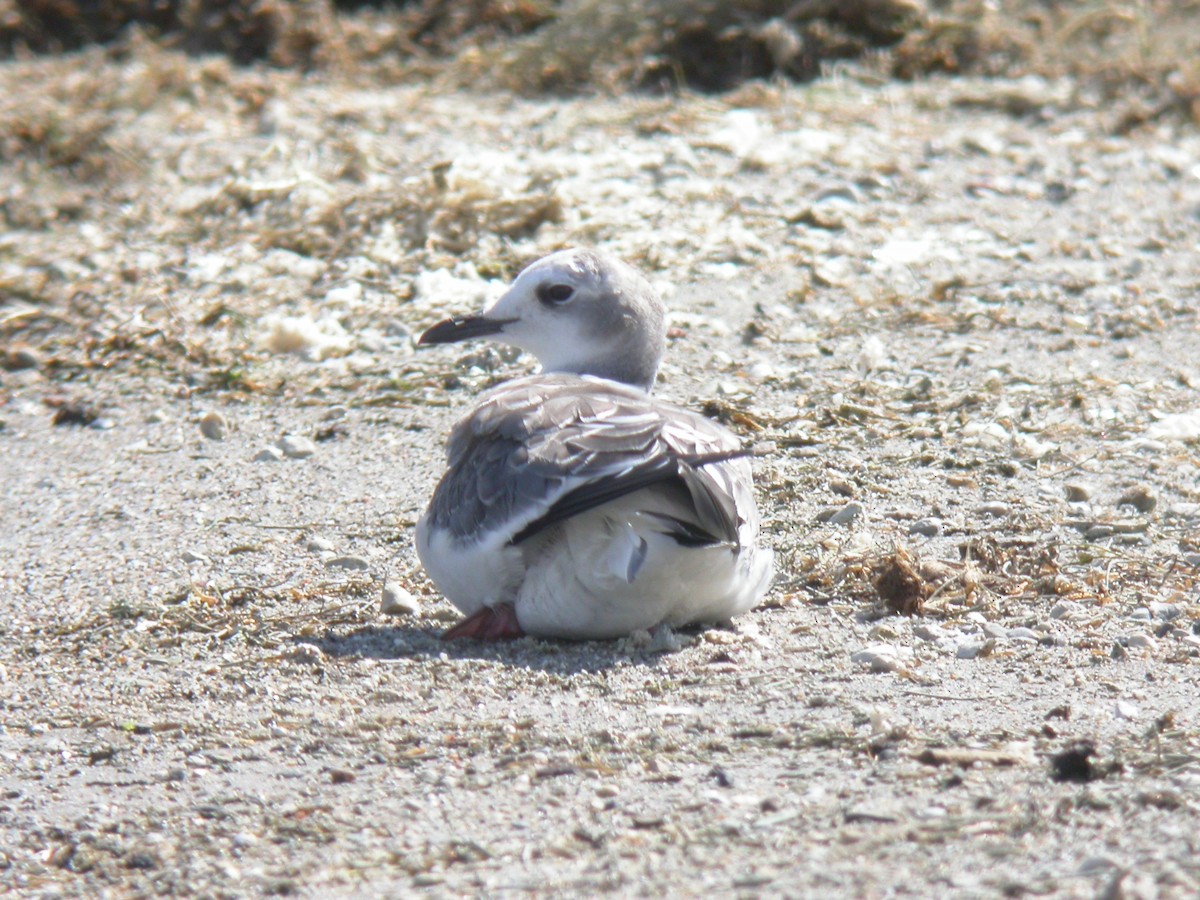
(568, 46)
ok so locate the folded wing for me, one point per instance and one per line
(540, 450)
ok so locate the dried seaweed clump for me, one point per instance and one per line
(288, 34)
(900, 585)
(706, 45)
(296, 34)
(1149, 47)
(441, 26)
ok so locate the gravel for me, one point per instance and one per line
(948, 300)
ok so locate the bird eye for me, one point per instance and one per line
(552, 294)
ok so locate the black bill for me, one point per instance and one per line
(463, 328)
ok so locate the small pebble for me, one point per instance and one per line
(316, 544)
(1094, 864)
(157, 417)
(873, 355)
(1141, 641)
(842, 487)
(884, 632)
(21, 356)
(296, 446)
(931, 633)
(1077, 493)
(846, 514)
(1118, 652)
(268, 454)
(396, 601)
(825, 513)
(372, 342)
(976, 649)
(1126, 710)
(993, 508)
(191, 556)
(1165, 611)
(878, 659)
(930, 526)
(1131, 540)
(214, 426)
(1096, 532)
(308, 653)
(761, 371)
(1140, 497)
(354, 563)
(1023, 635)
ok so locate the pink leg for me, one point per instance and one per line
(491, 623)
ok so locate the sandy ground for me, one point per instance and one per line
(959, 317)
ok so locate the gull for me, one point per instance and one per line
(574, 504)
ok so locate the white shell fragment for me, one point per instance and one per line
(295, 446)
(396, 601)
(214, 426)
(304, 336)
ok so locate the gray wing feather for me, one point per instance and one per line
(533, 440)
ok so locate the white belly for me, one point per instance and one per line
(470, 575)
(602, 574)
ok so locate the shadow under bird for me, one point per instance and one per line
(575, 504)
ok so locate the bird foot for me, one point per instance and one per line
(491, 623)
